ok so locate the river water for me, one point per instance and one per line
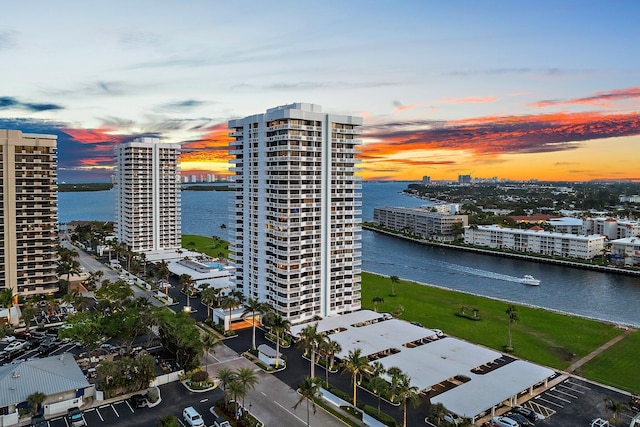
(605, 296)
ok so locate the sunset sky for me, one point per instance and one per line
(518, 90)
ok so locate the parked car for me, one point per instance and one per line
(192, 417)
(503, 422)
(23, 335)
(75, 418)
(8, 338)
(14, 346)
(524, 422)
(48, 345)
(528, 413)
(39, 421)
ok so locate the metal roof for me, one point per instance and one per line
(51, 376)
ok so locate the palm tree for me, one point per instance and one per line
(253, 306)
(614, 407)
(229, 303)
(407, 394)
(162, 272)
(35, 400)
(328, 348)
(28, 313)
(438, 410)
(279, 325)
(208, 297)
(308, 391)
(236, 391)
(310, 339)
(208, 343)
(248, 378)
(354, 363)
(512, 314)
(226, 377)
(394, 280)
(378, 385)
(376, 301)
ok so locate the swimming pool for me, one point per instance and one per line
(216, 266)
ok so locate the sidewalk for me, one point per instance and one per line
(577, 364)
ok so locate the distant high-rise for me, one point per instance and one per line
(29, 227)
(148, 195)
(296, 239)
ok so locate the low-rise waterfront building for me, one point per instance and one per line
(626, 251)
(424, 222)
(566, 225)
(611, 227)
(535, 240)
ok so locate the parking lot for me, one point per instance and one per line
(576, 402)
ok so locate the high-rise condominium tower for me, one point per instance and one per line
(29, 227)
(296, 238)
(148, 195)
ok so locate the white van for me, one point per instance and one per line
(192, 417)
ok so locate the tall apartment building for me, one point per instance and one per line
(147, 181)
(29, 227)
(296, 242)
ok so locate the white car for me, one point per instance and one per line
(8, 338)
(504, 422)
(192, 417)
(14, 345)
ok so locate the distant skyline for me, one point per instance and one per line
(544, 90)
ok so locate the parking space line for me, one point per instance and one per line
(127, 402)
(572, 389)
(114, 410)
(579, 385)
(567, 394)
(541, 409)
(551, 403)
(558, 397)
(99, 414)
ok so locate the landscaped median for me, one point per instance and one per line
(541, 336)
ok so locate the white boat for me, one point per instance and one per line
(530, 280)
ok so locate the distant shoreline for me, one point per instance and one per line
(584, 266)
(106, 186)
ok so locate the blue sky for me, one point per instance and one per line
(97, 74)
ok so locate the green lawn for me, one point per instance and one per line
(540, 336)
(213, 247)
(618, 366)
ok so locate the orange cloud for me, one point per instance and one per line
(494, 135)
(92, 136)
(599, 99)
(213, 146)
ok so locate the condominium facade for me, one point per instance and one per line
(296, 240)
(148, 207)
(29, 227)
(427, 222)
(535, 240)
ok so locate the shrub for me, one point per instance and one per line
(199, 376)
(383, 417)
(153, 394)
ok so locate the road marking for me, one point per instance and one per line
(114, 410)
(558, 397)
(301, 420)
(579, 385)
(99, 414)
(568, 394)
(204, 400)
(127, 402)
(263, 393)
(551, 403)
(572, 389)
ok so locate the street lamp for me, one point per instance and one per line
(187, 308)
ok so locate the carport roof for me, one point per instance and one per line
(485, 391)
(342, 321)
(380, 336)
(434, 362)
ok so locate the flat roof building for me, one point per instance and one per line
(29, 225)
(147, 181)
(296, 209)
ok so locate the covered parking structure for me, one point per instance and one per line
(468, 379)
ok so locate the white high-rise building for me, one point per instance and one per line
(296, 242)
(148, 195)
(28, 213)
